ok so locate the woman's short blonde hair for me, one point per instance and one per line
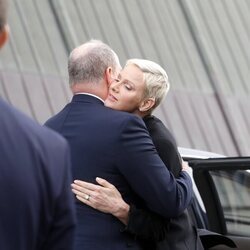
(155, 79)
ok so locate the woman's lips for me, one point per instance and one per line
(112, 98)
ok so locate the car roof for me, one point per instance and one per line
(198, 154)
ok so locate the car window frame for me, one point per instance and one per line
(207, 189)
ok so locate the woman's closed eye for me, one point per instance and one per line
(128, 86)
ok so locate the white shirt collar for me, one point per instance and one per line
(84, 93)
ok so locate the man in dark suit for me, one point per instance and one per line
(113, 145)
(36, 207)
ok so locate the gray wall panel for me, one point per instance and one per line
(36, 52)
(16, 93)
(203, 45)
(3, 92)
(175, 121)
(225, 53)
(38, 97)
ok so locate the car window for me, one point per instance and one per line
(233, 188)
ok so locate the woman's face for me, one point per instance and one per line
(126, 93)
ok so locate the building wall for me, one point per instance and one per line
(203, 45)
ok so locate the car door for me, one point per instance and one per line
(224, 186)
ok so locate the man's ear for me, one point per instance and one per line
(4, 35)
(108, 75)
(147, 104)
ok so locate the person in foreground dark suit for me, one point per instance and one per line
(140, 88)
(36, 207)
(116, 146)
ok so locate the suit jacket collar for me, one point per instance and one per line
(86, 99)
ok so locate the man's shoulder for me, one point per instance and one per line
(121, 114)
(123, 119)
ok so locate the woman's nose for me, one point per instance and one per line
(115, 86)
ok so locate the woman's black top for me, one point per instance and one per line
(156, 232)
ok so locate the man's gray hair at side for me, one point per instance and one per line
(88, 62)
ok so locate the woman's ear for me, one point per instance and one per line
(4, 35)
(147, 104)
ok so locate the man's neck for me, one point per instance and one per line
(90, 89)
(84, 93)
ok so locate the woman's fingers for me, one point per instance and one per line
(80, 189)
(103, 197)
(104, 183)
(80, 198)
(108, 188)
(86, 185)
(85, 196)
(78, 192)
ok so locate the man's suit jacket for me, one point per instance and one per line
(116, 146)
(36, 208)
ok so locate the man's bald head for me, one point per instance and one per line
(88, 62)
